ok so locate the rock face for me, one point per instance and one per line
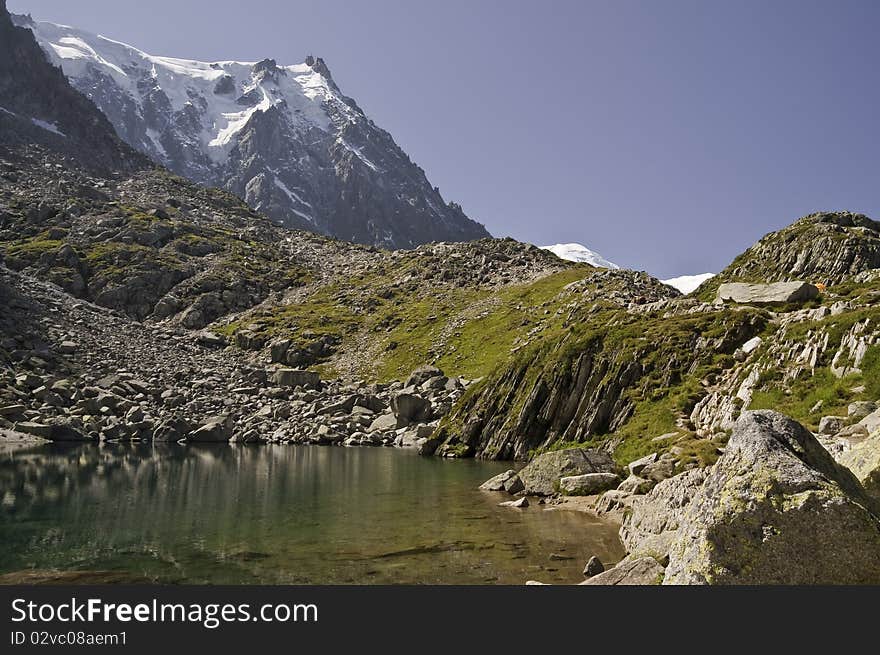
(767, 294)
(284, 138)
(541, 476)
(775, 509)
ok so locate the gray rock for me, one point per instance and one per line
(662, 469)
(863, 459)
(636, 485)
(496, 483)
(613, 500)
(59, 430)
(831, 424)
(588, 483)
(383, 423)
(776, 509)
(541, 476)
(859, 410)
(172, 429)
(636, 467)
(775, 293)
(630, 571)
(214, 430)
(514, 485)
(653, 522)
(410, 408)
(594, 567)
(522, 502)
(294, 377)
(422, 375)
(212, 340)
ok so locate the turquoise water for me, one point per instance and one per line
(277, 515)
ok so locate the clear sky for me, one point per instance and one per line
(667, 135)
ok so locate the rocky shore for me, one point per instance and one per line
(775, 494)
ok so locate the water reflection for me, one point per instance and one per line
(279, 514)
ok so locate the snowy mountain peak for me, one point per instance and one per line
(283, 137)
(575, 252)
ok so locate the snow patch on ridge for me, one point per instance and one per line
(575, 252)
(688, 283)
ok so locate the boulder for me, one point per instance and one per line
(859, 410)
(172, 429)
(541, 476)
(863, 459)
(636, 485)
(422, 375)
(776, 509)
(662, 469)
(636, 467)
(594, 567)
(761, 294)
(630, 571)
(654, 520)
(588, 483)
(214, 430)
(514, 485)
(497, 482)
(383, 423)
(831, 424)
(58, 430)
(410, 408)
(294, 377)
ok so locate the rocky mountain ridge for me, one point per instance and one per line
(283, 138)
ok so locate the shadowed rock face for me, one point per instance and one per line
(776, 509)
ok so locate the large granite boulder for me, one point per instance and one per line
(761, 294)
(775, 509)
(541, 476)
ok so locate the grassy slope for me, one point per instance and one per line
(465, 331)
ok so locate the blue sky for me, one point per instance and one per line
(667, 135)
